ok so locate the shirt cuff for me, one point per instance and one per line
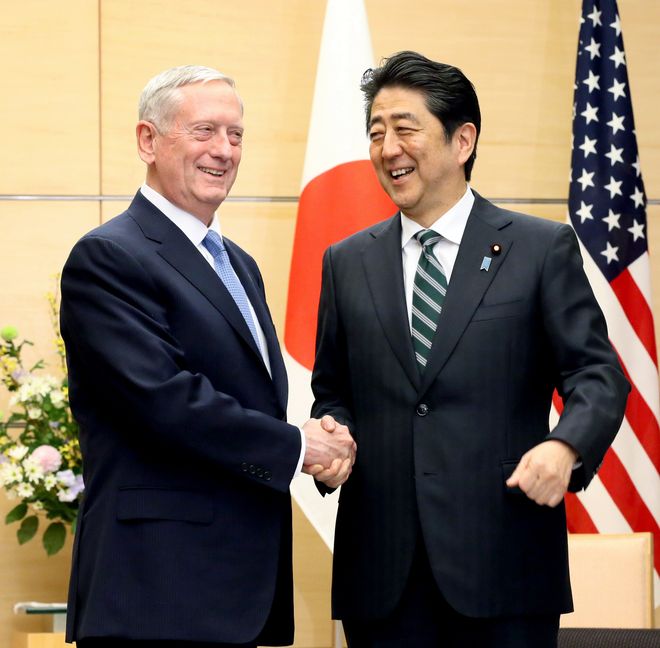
(303, 447)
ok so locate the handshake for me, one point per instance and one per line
(330, 451)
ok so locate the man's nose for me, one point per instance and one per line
(220, 146)
(391, 145)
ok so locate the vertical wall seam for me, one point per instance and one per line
(100, 105)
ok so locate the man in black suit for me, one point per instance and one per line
(443, 332)
(178, 384)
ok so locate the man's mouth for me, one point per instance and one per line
(213, 172)
(399, 173)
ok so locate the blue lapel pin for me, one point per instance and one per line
(485, 264)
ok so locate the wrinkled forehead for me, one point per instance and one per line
(204, 100)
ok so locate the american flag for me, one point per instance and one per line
(607, 208)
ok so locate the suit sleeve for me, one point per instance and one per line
(115, 325)
(330, 377)
(590, 380)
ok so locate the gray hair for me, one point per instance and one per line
(160, 97)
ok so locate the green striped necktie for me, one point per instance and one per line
(429, 290)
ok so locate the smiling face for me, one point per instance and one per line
(194, 163)
(420, 170)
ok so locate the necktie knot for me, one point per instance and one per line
(427, 239)
(213, 243)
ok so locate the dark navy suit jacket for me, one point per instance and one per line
(185, 526)
(434, 451)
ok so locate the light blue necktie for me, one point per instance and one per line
(214, 244)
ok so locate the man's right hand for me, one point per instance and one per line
(330, 451)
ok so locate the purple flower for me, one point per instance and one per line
(78, 486)
(66, 478)
(71, 493)
(19, 374)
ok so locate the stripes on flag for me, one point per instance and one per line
(340, 195)
(607, 208)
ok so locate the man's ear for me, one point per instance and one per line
(465, 138)
(146, 141)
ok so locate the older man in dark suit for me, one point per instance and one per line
(176, 379)
(443, 332)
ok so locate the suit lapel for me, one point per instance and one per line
(258, 302)
(485, 227)
(382, 263)
(181, 254)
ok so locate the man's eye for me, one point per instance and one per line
(376, 135)
(236, 137)
(203, 132)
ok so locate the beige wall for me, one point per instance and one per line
(72, 73)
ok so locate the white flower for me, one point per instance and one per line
(37, 506)
(17, 452)
(33, 470)
(35, 387)
(50, 481)
(34, 412)
(25, 490)
(10, 474)
(66, 495)
(57, 398)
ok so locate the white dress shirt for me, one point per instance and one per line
(450, 226)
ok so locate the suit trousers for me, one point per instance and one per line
(424, 619)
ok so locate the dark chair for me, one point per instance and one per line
(608, 638)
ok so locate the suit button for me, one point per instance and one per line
(244, 467)
(267, 475)
(260, 472)
(252, 469)
(422, 409)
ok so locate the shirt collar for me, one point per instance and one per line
(190, 225)
(450, 225)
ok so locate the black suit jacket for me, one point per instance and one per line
(435, 450)
(185, 526)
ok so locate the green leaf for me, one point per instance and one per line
(74, 525)
(54, 537)
(17, 513)
(27, 529)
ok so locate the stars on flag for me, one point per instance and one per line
(592, 81)
(588, 146)
(606, 197)
(615, 154)
(614, 187)
(616, 123)
(590, 113)
(617, 89)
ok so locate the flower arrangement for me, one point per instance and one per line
(40, 461)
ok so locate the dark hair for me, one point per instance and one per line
(448, 93)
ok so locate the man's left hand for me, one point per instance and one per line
(334, 476)
(544, 472)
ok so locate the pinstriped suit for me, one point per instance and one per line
(434, 451)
